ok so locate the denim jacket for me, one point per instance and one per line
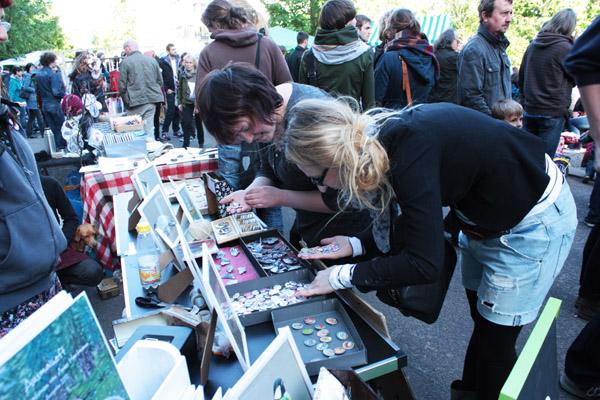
(50, 87)
(483, 71)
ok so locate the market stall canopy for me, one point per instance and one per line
(431, 26)
(287, 37)
(32, 57)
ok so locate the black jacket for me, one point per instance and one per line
(484, 72)
(445, 88)
(167, 74)
(446, 155)
(293, 61)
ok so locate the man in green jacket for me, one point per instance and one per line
(140, 84)
(339, 62)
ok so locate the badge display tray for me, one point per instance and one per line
(320, 311)
(303, 275)
(292, 252)
(236, 229)
(243, 259)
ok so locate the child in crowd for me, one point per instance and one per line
(510, 111)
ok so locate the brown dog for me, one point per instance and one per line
(85, 235)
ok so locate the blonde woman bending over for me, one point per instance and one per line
(517, 214)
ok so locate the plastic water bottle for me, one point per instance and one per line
(147, 257)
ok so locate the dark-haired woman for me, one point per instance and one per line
(407, 71)
(239, 104)
(445, 50)
(32, 104)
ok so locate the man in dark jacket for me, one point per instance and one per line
(294, 59)
(545, 83)
(483, 65)
(170, 81)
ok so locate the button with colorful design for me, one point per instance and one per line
(323, 332)
(328, 352)
(310, 342)
(322, 346)
(348, 345)
(331, 321)
(326, 339)
(307, 331)
(342, 335)
(297, 325)
(339, 350)
(319, 327)
(309, 321)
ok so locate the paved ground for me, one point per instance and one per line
(435, 352)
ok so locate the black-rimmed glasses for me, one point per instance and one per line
(319, 181)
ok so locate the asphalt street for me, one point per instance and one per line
(435, 352)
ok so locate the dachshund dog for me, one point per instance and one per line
(85, 235)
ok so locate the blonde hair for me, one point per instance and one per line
(505, 109)
(330, 134)
(191, 57)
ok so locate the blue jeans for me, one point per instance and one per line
(231, 168)
(513, 272)
(578, 124)
(55, 119)
(172, 114)
(547, 129)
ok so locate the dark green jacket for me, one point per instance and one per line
(344, 65)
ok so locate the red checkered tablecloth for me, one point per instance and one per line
(97, 190)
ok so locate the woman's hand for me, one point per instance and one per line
(264, 197)
(345, 249)
(319, 286)
(238, 203)
(180, 107)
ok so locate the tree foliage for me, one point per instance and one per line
(32, 28)
(294, 15)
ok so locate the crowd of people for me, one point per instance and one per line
(367, 144)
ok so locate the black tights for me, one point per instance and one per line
(490, 356)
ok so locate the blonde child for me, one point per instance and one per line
(510, 111)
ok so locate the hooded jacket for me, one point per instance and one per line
(344, 65)
(389, 91)
(30, 238)
(543, 78)
(239, 45)
(484, 71)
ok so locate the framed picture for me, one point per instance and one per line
(187, 205)
(156, 209)
(145, 179)
(217, 298)
(278, 373)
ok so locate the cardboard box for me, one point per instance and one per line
(266, 264)
(236, 226)
(257, 317)
(108, 288)
(127, 124)
(315, 359)
(216, 189)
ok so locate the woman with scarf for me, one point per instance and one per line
(408, 69)
(190, 122)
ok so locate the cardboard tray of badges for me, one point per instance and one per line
(313, 358)
(303, 275)
(126, 124)
(237, 226)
